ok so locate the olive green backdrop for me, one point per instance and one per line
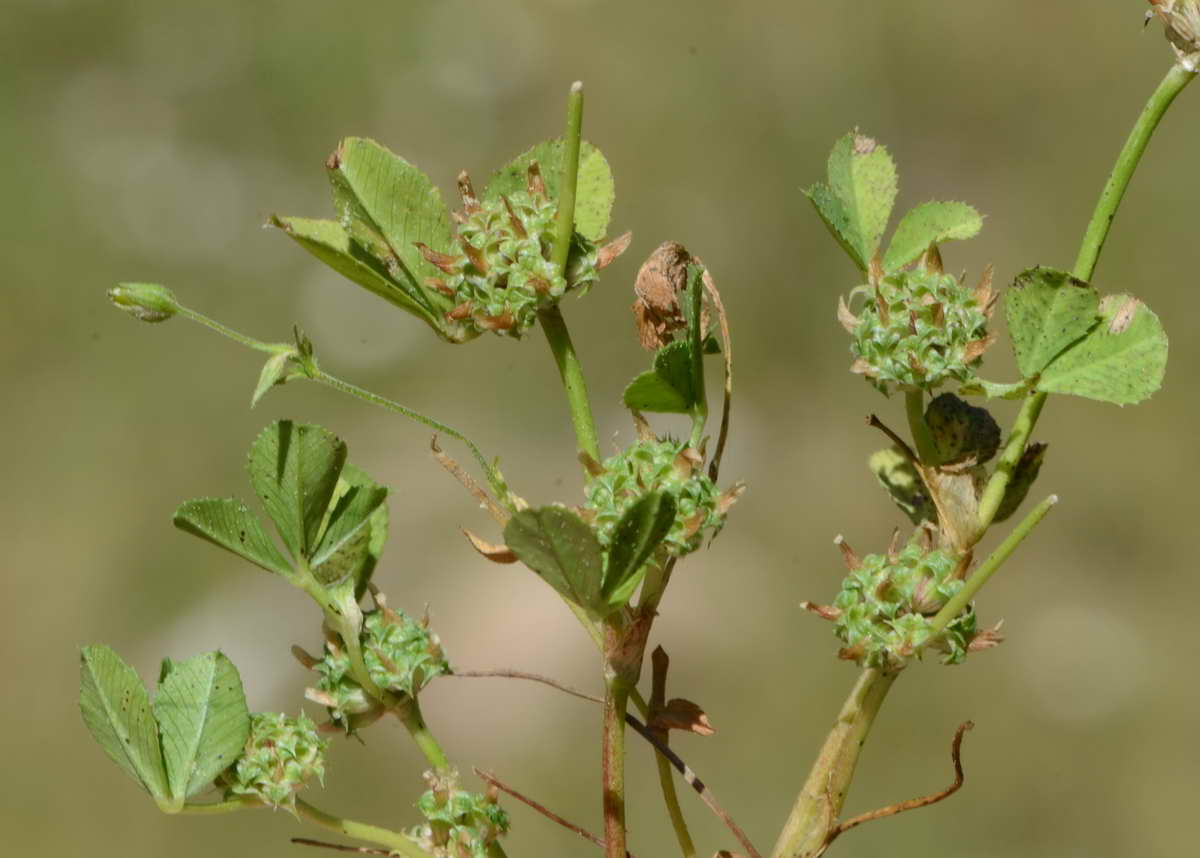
(151, 140)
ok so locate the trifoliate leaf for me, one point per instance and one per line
(201, 712)
(556, 544)
(669, 387)
(116, 710)
(294, 469)
(637, 535)
(857, 201)
(594, 192)
(1122, 360)
(930, 223)
(227, 523)
(354, 531)
(1047, 311)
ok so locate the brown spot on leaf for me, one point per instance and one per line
(1124, 315)
(864, 145)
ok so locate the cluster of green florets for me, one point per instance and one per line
(884, 609)
(918, 329)
(282, 754)
(653, 465)
(401, 655)
(505, 274)
(460, 824)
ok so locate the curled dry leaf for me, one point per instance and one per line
(495, 553)
(608, 254)
(660, 284)
(681, 714)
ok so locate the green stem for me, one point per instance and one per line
(409, 713)
(1131, 154)
(557, 336)
(914, 408)
(616, 698)
(570, 370)
(995, 560)
(393, 840)
(230, 333)
(666, 780)
(1085, 267)
(229, 805)
(820, 802)
(494, 479)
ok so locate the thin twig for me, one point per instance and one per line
(468, 483)
(727, 348)
(503, 673)
(688, 775)
(874, 421)
(363, 850)
(549, 814)
(912, 803)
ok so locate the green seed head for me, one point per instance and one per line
(886, 603)
(918, 329)
(148, 302)
(504, 274)
(282, 754)
(460, 824)
(401, 655)
(654, 465)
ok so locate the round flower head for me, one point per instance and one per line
(654, 465)
(282, 754)
(460, 824)
(918, 328)
(887, 601)
(504, 274)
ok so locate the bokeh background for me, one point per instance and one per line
(151, 140)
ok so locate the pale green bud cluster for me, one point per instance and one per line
(886, 603)
(653, 465)
(402, 656)
(282, 754)
(460, 824)
(918, 329)
(505, 274)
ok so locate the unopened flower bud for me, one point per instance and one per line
(149, 302)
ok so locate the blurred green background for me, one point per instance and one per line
(151, 140)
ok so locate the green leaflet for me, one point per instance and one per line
(668, 388)
(116, 710)
(1122, 359)
(227, 523)
(379, 192)
(294, 470)
(1047, 311)
(639, 532)
(556, 544)
(329, 242)
(857, 201)
(594, 190)
(350, 544)
(930, 223)
(201, 713)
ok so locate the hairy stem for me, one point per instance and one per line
(555, 327)
(1085, 267)
(394, 840)
(819, 804)
(616, 697)
(409, 713)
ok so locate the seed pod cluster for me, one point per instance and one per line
(460, 824)
(883, 610)
(402, 655)
(504, 273)
(918, 328)
(282, 754)
(654, 465)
